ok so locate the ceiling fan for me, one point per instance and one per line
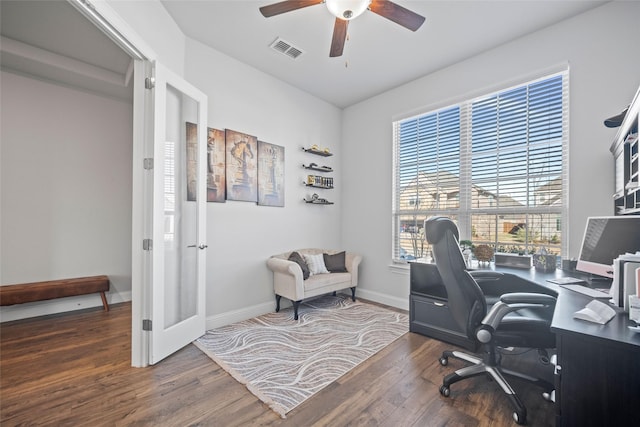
(346, 10)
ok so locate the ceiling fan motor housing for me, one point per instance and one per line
(347, 9)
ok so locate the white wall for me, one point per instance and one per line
(601, 48)
(65, 189)
(242, 235)
(155, 28)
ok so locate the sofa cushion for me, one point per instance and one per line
(315, 263)
(335, 263)
(297, 258)
(328, 281)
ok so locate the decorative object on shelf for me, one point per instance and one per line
(270, 174)
(315, 167)
(317, 200)
(319, 181)
(314, 149)
(544, 261)
(483, 253)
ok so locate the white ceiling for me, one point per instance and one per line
(51, 40)
(379, 54)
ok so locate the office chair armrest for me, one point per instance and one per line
(486, 274)
(507, 304)
(482, 275)
(527, 298)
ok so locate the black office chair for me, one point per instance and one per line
(515, 320)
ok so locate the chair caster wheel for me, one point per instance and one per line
(519, 419)
(444, 361)
(445, 391)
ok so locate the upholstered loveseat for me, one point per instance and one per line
(289, 277)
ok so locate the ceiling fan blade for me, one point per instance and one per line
(397, 14)
(339, 37)
(286, 6)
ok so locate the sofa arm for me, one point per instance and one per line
(279, 265)
(352, 262)
(287, 278)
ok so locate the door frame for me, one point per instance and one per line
(105, 18)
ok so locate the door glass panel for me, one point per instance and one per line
(180, 213)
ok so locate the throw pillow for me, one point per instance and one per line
(315, 263)
(297, 258)
(335, 263)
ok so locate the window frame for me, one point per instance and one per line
(462, 213)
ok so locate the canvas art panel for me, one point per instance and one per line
(242, 166)
(270, 174)
(216, 178)
(216, 187)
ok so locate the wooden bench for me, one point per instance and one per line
(39, 291)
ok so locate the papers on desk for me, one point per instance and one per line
(624, 279)
(596, 312)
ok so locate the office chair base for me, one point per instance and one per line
(489, 367)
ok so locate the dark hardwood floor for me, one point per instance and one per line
(74, 370)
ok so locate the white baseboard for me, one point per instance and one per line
(229, 317)
(62, 305)
(59, 305)
(401, 303)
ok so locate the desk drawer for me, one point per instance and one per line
(431, 317)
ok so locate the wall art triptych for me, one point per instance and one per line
(239, 167)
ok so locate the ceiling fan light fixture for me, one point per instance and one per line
(347, 9)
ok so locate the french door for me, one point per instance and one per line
(178, 247)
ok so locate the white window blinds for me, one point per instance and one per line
(495, 164)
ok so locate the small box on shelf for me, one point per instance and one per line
(319, 181)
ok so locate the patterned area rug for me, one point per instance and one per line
(284, 362)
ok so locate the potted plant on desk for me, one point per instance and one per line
(544, 261)
(483, 253)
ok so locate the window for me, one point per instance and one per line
(496, 165)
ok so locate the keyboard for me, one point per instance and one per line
(594, 293)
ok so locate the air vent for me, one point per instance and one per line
(286, 48)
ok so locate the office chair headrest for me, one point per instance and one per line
(436, 227)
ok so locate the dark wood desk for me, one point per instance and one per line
(598, 366)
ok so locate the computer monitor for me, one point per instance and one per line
(606, 238)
